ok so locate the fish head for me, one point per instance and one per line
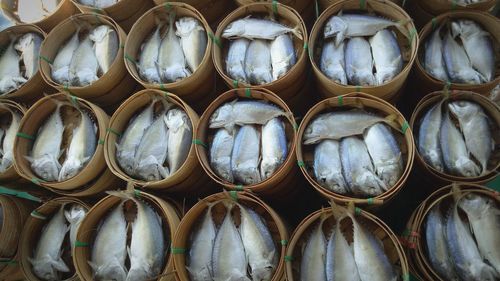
(466, 28)
(475, 204)
(263, 272)
(114, 269)
(24, 42)
(139, 273)
(249, 175)
(315, 129)
(234, 29)
(47, 168)
(185, 25)
(46, 272)
(99, 33)
(221, 116)
(8, 84)
(466, 167)
(70, 168)
(336, 26)
(463, 109)
(268, 168)
(150, 170)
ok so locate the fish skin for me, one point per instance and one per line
(274, 147)
(87, 2)
(8, 140)
(258, 66)
(433, 59)
(84, 65)
(193, 40)
(312, 265)
(455, 155)
(62, 61)
(340, 264)
(332, 62)
(29, 46)
(105, 45)
(476, 130)
(243, 113)
(148, 59)
(74, 216)
(252, 28)
(110, 247)
(458, 65)
(47, 262)
(10, 72)
(428, 143)
(220, 154)
(246, 156)
(386, 55)
(359, 62)
(104, 3)
(385, 153)
(235, 61)
(180, 135)
(484, 218)
(357, 168)
(283, 56)
(328, 167)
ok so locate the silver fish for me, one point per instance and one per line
(74, 216)
(235, 61)
(386, 56)
(220, 154)
(105, 46)
(328, 168)
(109, 249)
(200, 252)
(474, 124)
(83, 67)
(193, 40)
(437, 248)
(359, 62)
(258, 62)
(312, 265)
(354, 25)
(274, 147)
(81, 148)
(242, 113)
(87, 2)
(358, 169)
(455, 155)
(180, 135)
(148, 59)
(104, 3)
(246, 156)
(252, 28)
(47, 262)
(10, 72)
(171, 59)
(332, 62)
(457, 62)
(495, 95)
(428, 138)
(8, 141)
(283, 56)
(433, 60)
(62, 61)
(385, 153)
(259, 245)
(340, 264)
(29, 46)
(229, 260)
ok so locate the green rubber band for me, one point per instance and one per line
(101, 142)
(167, 6)
(301, 163)
(340, 100)
(9, 262)
(177, 251)
(357, 211)
(74, 100)
(284, 242)
(122, 46)
(162, 87)
(19, 194)
(137, 193)
(66, 89)
(406, 277)
(275, 6)
(453, 4)
(215, 39)
(306, 46)
(288, 258)
(113, 132)
(295, 126)
(45, 59)
(362, 4)
(199, 142)
(79, 244)
(358, 88)
(413, 33)
(25, 136)
(248, 93)
(369, 201)
(37, 181)
(405, 127)
(434, 23)
(239, 187)
(98, 11)
(129, 58)
(38, 215)
(234, 195)
(235, 83)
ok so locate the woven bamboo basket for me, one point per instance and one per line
(10, 175)
(403, 135)
(286, 86)
(88, 230)
(34, 88)
(415, 234)
(427, 83)
(188, 178)
(115, 85)
(212, 10)
(437, 7)
(188, 224)
(408, 42)
(376, 226)
(31, 235)
(490, 109)
(63, 10)
(198, 89)
(10, 270)
(93, 178)
(281, 183)
(304, 7)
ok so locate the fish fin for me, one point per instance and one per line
(60, 265)
(338, 212)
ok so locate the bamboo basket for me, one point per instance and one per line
(212, 10)
(286, 86)
(31, 235)
(10, 269)
(408, 42)
(415, 233)
(198, 90)
(64, 9)
(281, 184)
(93, 178)
(427, 83)
(304, 7)
(88, 230)
(10, 174)
(403, 135)
(115, 85)
(34, 88)
(376, 226)
(188, 178)
(491, 110)
(437, 7)
(188, 223)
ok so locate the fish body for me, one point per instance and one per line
(8, 141)
(312, 265)
(252, 28)
(180, 135)
(328, 167)
(433, 60)
(274, 147)
(340, 264)
(104, 3)
(10, 72)
(332, 62)
(359, 62)
(428, 137)
(283, 56)
(457, 63)
(148, 60)
(105, 45)
(74, 216)
(193, 40)
(258, 66)
(29, 46)
(220, 154)
(243, 113)
(62, 61)
(235, 62)
(386, 55)
(87, 2)
(171, 59)
(84, 65)
(246, 156)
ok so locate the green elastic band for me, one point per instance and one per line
(340, 100)
(100, 142)
(25, 136)
(248, 93)
(66, 88)
(98, 11)
(306, 46)
(234, 195)
(215, 39)
(358, 88)
(284, 242)
(199, 142)
(405, 127)
(295, 126)
(239, 187)
(434, 23)
(310, 52)
(38, 215)
(275, 6)
(129, 58)
(453, 4)
(8, 262)
(301, 163)
(122, 46)
(81, 244)
(177, 251)
(74, 100)
(413, 33)
(37, 181)
(113, 132)
(137, 193)
(235, 83)
(406, 277)
(357, 211)
(45, 59)
(316, 8)
(406, 232)
(166, 93)
(362, 4)
(369, 201)
(288, 258)
(19, 194)
(167, 6)
(162, 87)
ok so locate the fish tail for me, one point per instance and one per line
(297, 32)
(124, 195)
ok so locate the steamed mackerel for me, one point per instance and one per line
(84, 65)
(340, 264)
(312, 264)
(359, 62)
(332, 62)
(220, 154)
(433, 60)
(29, 46)
(328, 168)
(386, 55)
(105, 46)
(10, 72)
(283, 56)
(428, 137)
(180, 135)
(62, 61)
(252, 28)
(258, 62)
(193, 40)
(148, 60)
(274, 147)
(104, 3)
(458, 65)
(235, 61)
(171, 60)
(246, 156)
(74, 216)
(8, 141)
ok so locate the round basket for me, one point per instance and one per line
(428, 83)
(188, 223)
(115, 85)
(95, 177)
(281, 183)
(408, 42)
(212, 10)
(32, 231)
(198, 89)
(88, 230)
(493, 112)
(10, 174)
(403, 135)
